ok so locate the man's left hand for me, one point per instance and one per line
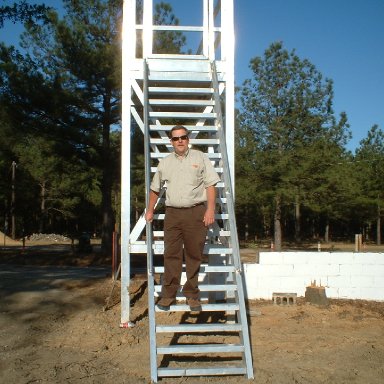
(209, 217)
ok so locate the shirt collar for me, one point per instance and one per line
(181, 156)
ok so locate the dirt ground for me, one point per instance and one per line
(53, 329)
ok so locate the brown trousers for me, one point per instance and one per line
(183, 227)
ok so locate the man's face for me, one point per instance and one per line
(181, 144)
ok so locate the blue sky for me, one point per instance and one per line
(344, 39)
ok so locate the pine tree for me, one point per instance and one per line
(286, 109)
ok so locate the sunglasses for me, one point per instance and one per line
(177, 138)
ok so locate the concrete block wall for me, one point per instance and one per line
(345, 275)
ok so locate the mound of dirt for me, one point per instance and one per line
(6, 240)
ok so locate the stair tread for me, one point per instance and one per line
(182, 102)
(200, 348)
(190, 115)
(203, 371)
(158, 141)
(209, 287)
(159, 155)
(182, 90)
(195, 328)
(205, 307)
(204, 128)
(205, 268)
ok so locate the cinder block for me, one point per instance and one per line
(332, 292)
(372, 294)
(298, 289)
(304, 269)
(373, 270)
(265, 294)
(343, 258)
(351, 269)
(349, 293)
(319, 258)
(288, 282)
(313, 270)
(271, 258)
(369, 258)
(250, 268)
(280, 298)
(276, 270)
(273, 283)
(339, 281)
(295, 258)
(362, 281)
(268, 270)
(250, 282)
(378, 282)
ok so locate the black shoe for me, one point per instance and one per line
(164, 307)
(164, 304)
(194, 304)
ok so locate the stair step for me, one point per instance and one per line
(204, 268)
(158, 248)
(182, 102)
(192, 141)
(182, 115)
(222, 307)
(222, 216)
(196, 328)
(160, 155)
(199, 348)
(209, 288)
(179, 63)
(219, 233)
(179, 76)
(219, 200)
(173, 56)
(216, 371)
(219, 170)
(181, 90)
(191, 128)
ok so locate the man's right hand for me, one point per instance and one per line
(149, 216)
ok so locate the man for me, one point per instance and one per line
(190, 208)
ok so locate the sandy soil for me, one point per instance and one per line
(53, 330)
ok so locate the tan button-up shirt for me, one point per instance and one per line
(185, 177)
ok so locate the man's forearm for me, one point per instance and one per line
(211, 197)
(153, 196)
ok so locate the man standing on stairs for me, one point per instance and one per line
(190, 200)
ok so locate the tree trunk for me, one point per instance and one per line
(42, 208)
(108, 220)
(13, 218)
(326, 233)
(277, 224)
(297, 219)
(137, 213)
(246, 232)
(378, 226)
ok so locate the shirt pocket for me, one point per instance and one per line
(195, 174)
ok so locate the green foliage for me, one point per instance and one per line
(369, 172)
(289, 133)
(167, 41)
(23, 12)
(60, 101)
(65, 89)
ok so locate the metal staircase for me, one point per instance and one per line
(186, 91)
(191, 90)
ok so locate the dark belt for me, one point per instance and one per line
(192, 206)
